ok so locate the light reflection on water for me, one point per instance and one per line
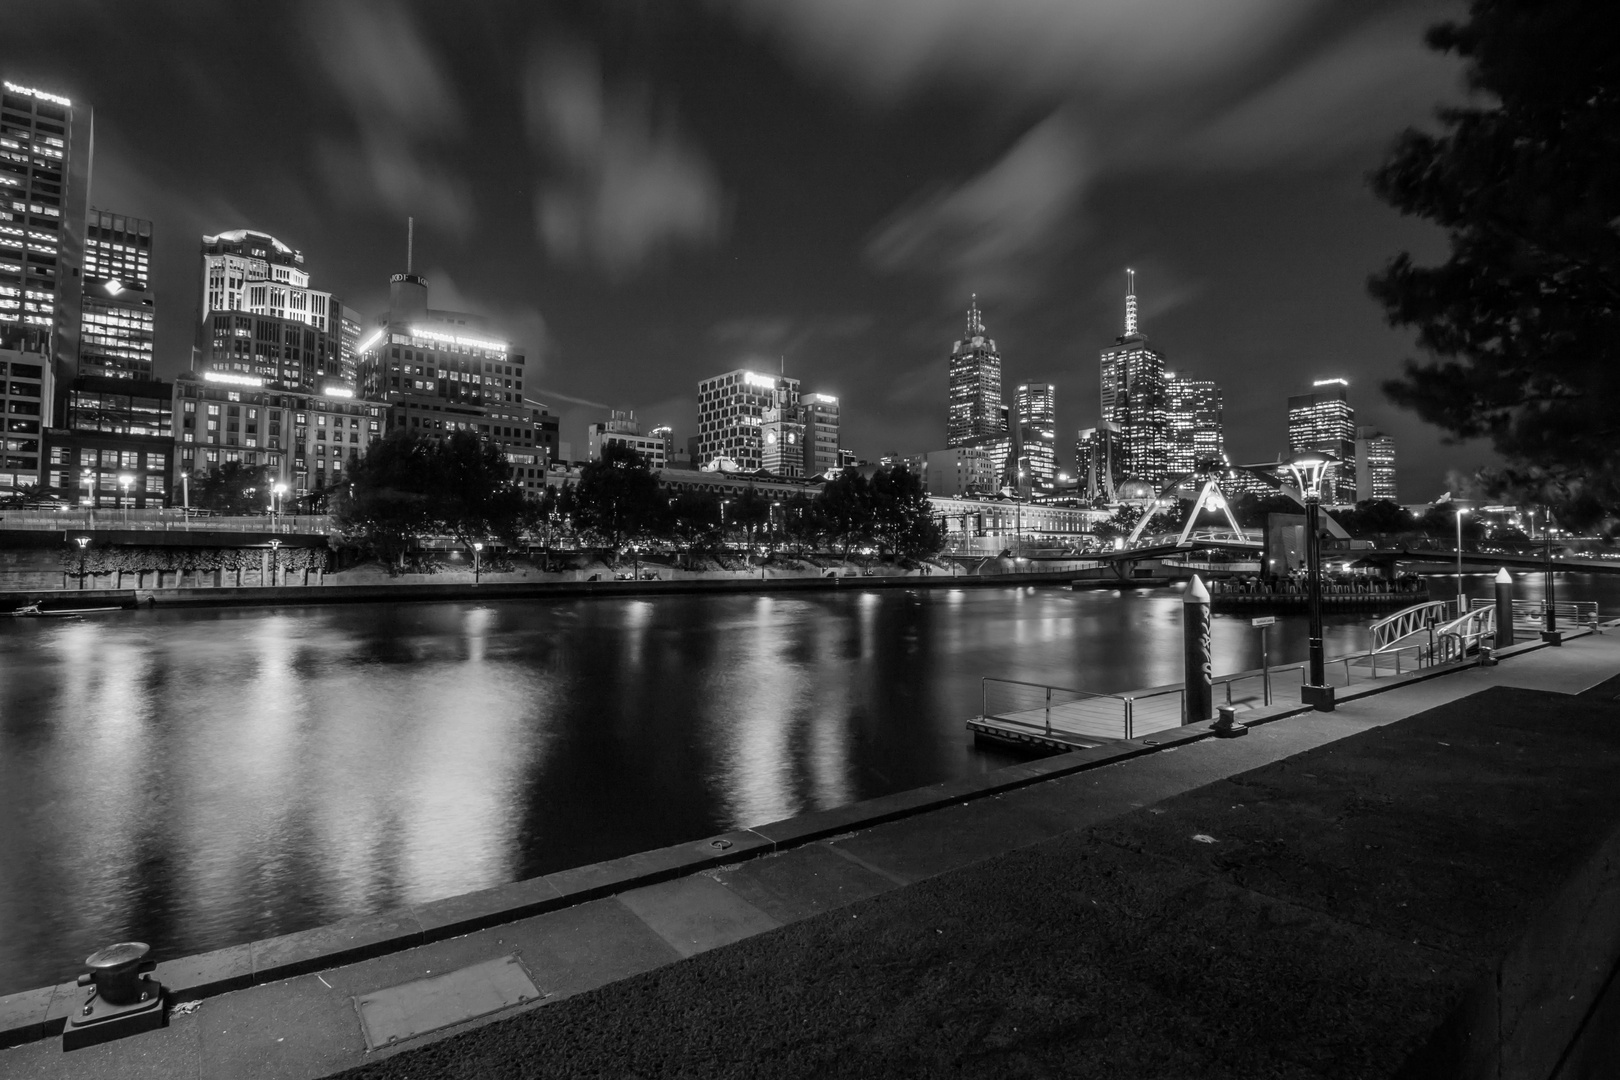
(196, 779)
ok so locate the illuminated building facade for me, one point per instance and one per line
(116, 428)
(441, 371)
(975, 385)
(1133, 398)
(25, 403)
(260, 320)
(1375, 465)
(960, 470)
(1036, 408)
(782, 439)
(1323, 420)
(821, 434)
(1193, 409)
(45, 151)
(309, 442)
(118, 316)
(621, 429)
(1098, 471)
(731, 414)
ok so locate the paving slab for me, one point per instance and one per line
(919, 847)
(695, 914)
(337, 943)
(801, 882)
(169, 1053)
(581, 948)
(292, 1030)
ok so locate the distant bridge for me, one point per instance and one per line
(1472, 560)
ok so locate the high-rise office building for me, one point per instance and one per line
(1193, 410)
(261, 322)
(731, 412)
(444, 371)
(1035, 405)
(1323, 420)
(1133, 398)
(821, 434)
(45, 152)
(975, 386)
(1375, 464)
(118, 316)
(1098, 471)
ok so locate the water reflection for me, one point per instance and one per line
(195, 779)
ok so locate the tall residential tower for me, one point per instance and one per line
(1134, 400)
(975, 386)
(1323, 420)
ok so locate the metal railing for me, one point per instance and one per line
(163, 520)
(1454, 640)
(1063, 710)
(1534, 612)
(1418, 619)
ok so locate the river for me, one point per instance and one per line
(200, 778)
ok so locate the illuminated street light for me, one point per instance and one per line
(478, 546)
(124, 481)
(277, 492)
(1461, 605)
(83, 542)
(1309, 468)
(275, 559)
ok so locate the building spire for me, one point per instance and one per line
(975, 323)
(1131, 327)
(410, 242)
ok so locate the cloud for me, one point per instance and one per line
(785, 335)
(402, 103)
(991, 233)
(521, 324)
(626, 185)
(1031, 49)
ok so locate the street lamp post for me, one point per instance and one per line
(275, 559)
(277, 492)
(478, 547)
(1549, 616)
(83, 542)
(124, 481)
(88, 479)
(1308, 469)
(1462, 607)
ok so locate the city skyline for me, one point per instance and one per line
(1246, 216)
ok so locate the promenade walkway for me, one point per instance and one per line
(1144, 917)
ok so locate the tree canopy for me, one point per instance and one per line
(1522, 322)
(408, 485)
(232, 488)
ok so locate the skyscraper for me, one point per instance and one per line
(821, 435)
(1375, 464)
(45, 150)
(731, 410)
(118, 316)
(1133, 398)
(1036, 408)
(975, 386)
(1193, 410)
(1323, 420)
(1096, 463)
(260, 319)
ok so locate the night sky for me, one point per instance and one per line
(648, 193)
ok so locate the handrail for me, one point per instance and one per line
(1391, 629)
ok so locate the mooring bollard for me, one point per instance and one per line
(1226, 725)
(1197, 664)
(1504, 608)
(123, 998)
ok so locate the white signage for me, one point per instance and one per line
(759, 380)
(1264, 620)
(42, 95)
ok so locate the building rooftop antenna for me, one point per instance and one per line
(410, 242)
(1131, 326)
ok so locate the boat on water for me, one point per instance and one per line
(34, 611)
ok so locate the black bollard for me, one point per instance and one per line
(1504, 608)
(1197, 663)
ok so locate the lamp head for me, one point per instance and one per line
(1309, 468)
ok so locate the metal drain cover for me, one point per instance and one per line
(415, 1008)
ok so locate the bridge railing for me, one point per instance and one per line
(1388, 632)
(1455, 639)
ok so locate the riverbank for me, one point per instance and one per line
(945, 924)
(459, 585)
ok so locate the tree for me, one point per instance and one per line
(1523, 320)
(617, 498)
(1378, 517)
(903, 520)
(232, 488)
(845, 505)
(389, 500)
(473, 497)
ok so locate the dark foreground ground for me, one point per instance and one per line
(1358, 910)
